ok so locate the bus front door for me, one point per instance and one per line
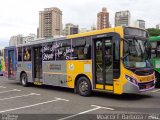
(103, 64)
(37, 62)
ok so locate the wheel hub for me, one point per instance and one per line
(83, 86)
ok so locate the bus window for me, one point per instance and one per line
(81, 49)
(158, 49)
(64, 50)
(20, 54)
(49, 51)
(27, 53)
(155, 49)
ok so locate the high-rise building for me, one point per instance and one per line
(16, 40)
(140, 24)
(30, 37)
(70, 29)
(50, 22)
(158, 26)
(122, 18)
(103, 19)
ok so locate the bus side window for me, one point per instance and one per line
(64, 51)
(49, 51)
(154, 49)
(82, 49)
(20, 54)
(158, 49)
(27, 53)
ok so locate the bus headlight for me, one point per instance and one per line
(131, 79)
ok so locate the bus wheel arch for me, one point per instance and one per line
(24, 79)
(82, 79)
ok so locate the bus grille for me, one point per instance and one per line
(146, 85)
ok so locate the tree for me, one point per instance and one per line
(153, 31)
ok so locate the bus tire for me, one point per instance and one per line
(84, 87)
(157, 84)
(24, 80)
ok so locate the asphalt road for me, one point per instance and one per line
(55, 103)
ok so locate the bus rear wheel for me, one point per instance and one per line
(24, 80)
(157, 75)
(84, 87)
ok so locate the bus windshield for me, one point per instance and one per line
(136, 53)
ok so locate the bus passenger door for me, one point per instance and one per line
(103, 62)
(12, 62)
(37, 64)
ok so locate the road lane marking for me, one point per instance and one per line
(10, 91)
(156, 90)
(61, 99)
(87, 111)
(56, 99)
(103, 107)
(19, 96)
(2, 87)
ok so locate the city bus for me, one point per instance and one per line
(155, 51)
(115, 60)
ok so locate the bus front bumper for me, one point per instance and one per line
(141, 87)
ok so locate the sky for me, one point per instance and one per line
(22, 16)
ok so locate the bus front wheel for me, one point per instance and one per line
(24, 80)
(84, 87)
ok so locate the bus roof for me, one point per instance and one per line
(118, 29)
(95, 32)
(154, 38)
